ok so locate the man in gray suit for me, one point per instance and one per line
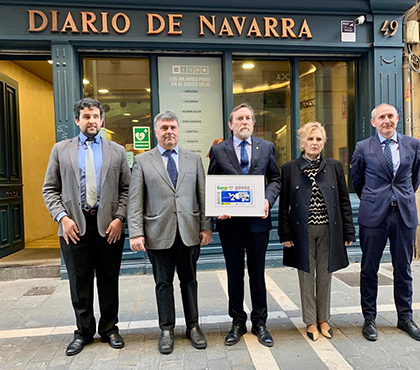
(166, 217)
(85, 191)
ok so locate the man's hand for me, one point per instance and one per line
(205, 237)
(137, 244)
(223, 217)
(288, 244)
(266, 209)
(70, 230)
(114, 231)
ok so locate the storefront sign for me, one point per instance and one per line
(191, 87)
(348, 31)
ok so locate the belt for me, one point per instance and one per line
(394, 203)
(90, 212)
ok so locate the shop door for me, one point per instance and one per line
(11, 204)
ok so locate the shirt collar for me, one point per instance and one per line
(161, 150)
(83, 138)
(393, 137)
(237, 142)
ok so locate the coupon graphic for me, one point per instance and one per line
(234, 195)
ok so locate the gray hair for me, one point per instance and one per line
(373, 113)
(243, 105)
(167, 115)
(305, 131)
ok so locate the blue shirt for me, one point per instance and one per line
(175, 156)
(237, 145)
(394, 146)
(97, 158)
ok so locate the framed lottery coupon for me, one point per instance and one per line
(235, 195)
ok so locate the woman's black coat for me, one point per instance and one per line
(295, 195)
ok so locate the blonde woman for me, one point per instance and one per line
(315, 225)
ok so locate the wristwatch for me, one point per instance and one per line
(121, 218)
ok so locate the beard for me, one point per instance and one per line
(244, 134)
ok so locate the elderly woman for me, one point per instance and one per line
(315, 225)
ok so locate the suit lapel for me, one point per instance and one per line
(230, 151)
(377, 148)
(183, 165)
(157, 162)
(402, 151)
(74, 157)
(254, 153)
(106, 159)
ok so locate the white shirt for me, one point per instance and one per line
(237, 145)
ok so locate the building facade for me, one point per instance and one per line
(292, 61)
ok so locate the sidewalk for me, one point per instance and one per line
(37, 323)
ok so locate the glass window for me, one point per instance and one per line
(122, 86)
(326, 91)
(265, 85)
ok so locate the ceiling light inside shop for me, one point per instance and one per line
(148, 89)
(135, 121)
(85, 81)
(248, 65)
(103, 91)
(126, 114)
(50, 61)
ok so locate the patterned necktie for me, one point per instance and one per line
(90, 177)
(171, 167)
(388, 156)
(244, 158)
(389, 162)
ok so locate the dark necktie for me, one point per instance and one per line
(171, 167)
(389, 162)
(244, 158)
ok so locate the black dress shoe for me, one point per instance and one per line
(264, 337)
(115, 340)
(234, 335)
(76, 346)
(198, 340)
(410, 327)
(166, 342)
(369, 330)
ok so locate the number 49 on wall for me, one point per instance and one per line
(390, 28)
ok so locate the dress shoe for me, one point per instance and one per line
(410, 327)
(233, 337)
(76, 346)
(264, 337)
(166, 342)
(369, 330)
(325, 329)
(198, 340)
(312, 332)
(115, 340)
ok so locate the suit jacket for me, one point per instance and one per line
(61, 190)
(223, 161)
(296, 190)
(373, 183)
(156, 209)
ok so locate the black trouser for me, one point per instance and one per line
(372, 242)
(235, 243)
(164, 262)
(93, 254)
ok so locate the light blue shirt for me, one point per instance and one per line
(237, 145)
(175, 156)
(394, 146)
(97, 158)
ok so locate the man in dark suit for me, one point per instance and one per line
(244, 154)
(385, 173)
(166, 217)
(85, 191)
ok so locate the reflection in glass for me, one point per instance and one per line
(325, 90)
(122, 86)
(265, 85)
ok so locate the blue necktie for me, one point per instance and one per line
(171, 167)
(389, 162)
(244, 158)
